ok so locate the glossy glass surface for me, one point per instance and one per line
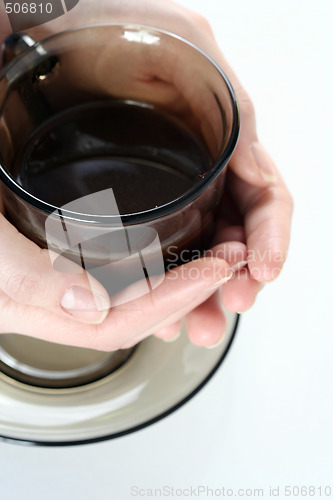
(100, 63)
(158, 379)
(104, 67)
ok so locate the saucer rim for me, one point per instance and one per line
(147, 423)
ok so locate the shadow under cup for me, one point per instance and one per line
(123, 107)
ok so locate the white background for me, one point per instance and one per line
(266, 418)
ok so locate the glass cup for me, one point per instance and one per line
(136, 101)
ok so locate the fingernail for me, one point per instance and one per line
(239, 265)
(217, 343)
(220, 282)
(263, 162)
(83, 304)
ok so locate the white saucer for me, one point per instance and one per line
(156, 380)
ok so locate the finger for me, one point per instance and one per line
(182, 288)
(240, 293)
(267, 222)
(226, 233)
(228, 212)
(206, 323)
(169, 333)
(27, 276)
(233, 252)
(249, 161)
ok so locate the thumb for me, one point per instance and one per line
(27, 276)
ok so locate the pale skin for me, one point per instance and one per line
(249, 249)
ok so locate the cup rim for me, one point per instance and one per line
(156, 212)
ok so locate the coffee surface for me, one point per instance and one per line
(147, 157)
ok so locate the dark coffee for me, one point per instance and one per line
(147, 157)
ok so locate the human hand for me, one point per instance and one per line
(255, 188)
(38, 301)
